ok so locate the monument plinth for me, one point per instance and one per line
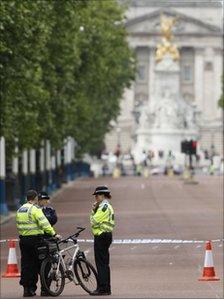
(167, 119)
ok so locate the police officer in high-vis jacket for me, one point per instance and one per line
(102, 224)
(32, 225)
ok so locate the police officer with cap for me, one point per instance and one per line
(49, 212)
(32, 225)
(102, 224)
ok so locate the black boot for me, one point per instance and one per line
(100, 293)
(28, 292)
(44, 294)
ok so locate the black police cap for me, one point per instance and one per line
(101, 190)
(43, 195)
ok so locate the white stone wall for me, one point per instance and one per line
(209, 14)
(207, 69)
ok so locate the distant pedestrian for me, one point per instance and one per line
(102, 223)
(206, 155)
(211, 169)
(161, 154)
(139, 169)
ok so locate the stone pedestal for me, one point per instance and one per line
(167, 119)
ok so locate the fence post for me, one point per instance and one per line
(32, 168)
(69, 149)
(42, 167)
(73, 145)
(70, 158)
(48, 166)
(15, 171)
(66, 176)
(58, 168)
(25, 178)
(3, 204)
(53, 167)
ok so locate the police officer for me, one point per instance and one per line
(102, 224)
(31, 224)
(49, 212)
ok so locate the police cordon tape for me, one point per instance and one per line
(12, 270)
(140, 241)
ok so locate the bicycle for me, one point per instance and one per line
(71, 263)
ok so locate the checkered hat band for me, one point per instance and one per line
(102, 191)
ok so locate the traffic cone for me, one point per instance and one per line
(146, 173)
(208, 271)
(116, 173)
(12, 268)
(170, 172)
(186, 174)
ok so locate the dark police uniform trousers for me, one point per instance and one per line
(29, 254)
(30, 263)
(102, 260)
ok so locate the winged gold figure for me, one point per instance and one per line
(166, 46)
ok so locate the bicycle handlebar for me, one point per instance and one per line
(80, 229)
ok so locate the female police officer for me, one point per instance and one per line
(102, 224)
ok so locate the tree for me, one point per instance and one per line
(24, 31)
(106, 69)
(64, 65)
(221, 100)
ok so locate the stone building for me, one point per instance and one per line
(199, 37)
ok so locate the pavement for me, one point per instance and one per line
(6, 218)
(159, 239)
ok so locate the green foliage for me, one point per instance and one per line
(64, 66)
(221, 100)
(24, 32)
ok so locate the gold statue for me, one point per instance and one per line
(165, 46)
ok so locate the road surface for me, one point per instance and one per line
(161, 226)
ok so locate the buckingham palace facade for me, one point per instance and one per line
(199, 37)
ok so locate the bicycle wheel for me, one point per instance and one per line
(53, 281)
(86, 275)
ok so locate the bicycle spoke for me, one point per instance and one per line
(67, 261)
(52, 277)
(86, 275)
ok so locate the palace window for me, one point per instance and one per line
(187, 73)
(208, 66)
(141, 73)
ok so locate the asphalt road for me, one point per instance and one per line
(160, 222)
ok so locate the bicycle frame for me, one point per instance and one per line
(63, 263)
(67, 263)
(61, 259)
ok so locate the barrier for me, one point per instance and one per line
(12, 268)
(116, 173)
(142, 241)
(209, 270)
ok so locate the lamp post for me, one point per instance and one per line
(3, 204)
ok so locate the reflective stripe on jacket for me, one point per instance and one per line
(102, 220)
(30, 221)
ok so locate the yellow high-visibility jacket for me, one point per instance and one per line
(30, 221)
(102, 220)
